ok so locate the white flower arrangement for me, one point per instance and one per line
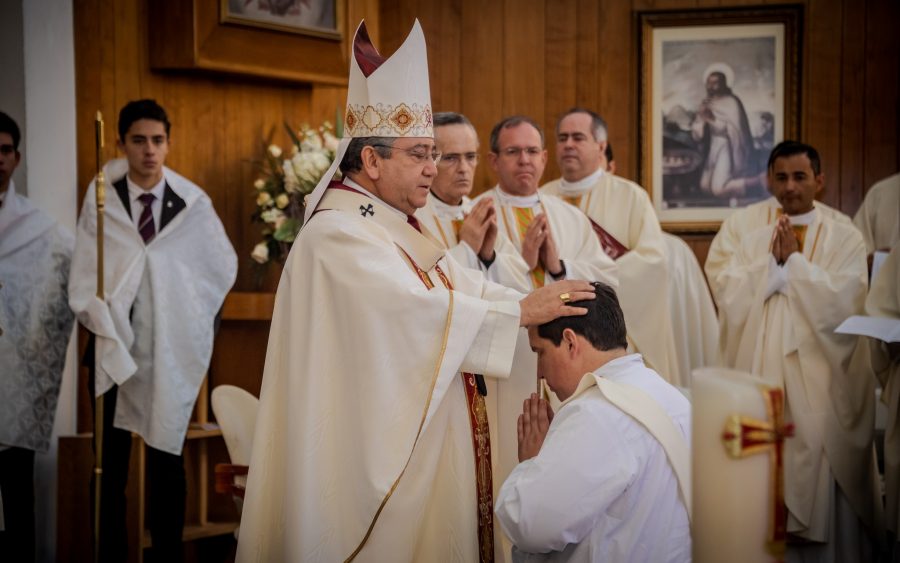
(284, 184)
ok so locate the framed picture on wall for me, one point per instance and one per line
(719, 88)
(309, 17)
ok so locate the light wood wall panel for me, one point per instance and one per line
(540, 57)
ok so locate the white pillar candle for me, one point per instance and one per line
(734, 498)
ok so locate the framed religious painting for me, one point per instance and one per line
(719, 88)
(308, 17)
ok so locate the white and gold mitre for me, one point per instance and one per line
(386, 97)
(389, 97)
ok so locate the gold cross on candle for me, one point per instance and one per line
(744, 436)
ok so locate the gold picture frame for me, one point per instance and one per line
(718, 89)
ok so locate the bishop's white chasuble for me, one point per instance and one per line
(365, 447)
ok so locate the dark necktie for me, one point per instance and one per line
(145, 223)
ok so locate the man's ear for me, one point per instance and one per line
(371, 163)
(570, 341)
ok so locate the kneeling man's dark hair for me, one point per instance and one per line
(603, 325)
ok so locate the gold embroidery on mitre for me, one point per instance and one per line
(381, 120)
(402, 118)
(352, 120)
(371, 119)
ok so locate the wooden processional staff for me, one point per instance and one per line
(100, 192)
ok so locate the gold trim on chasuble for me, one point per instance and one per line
(437, 370)
(524, 216)
(745, 436)
(481, 437)
(455, 223)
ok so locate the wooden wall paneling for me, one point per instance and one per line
(396, 17)
(481, 96)
(614, 90)
(328, 102)
(852, 124)
(882, 90)
(523, 59)
(561, 71)
(357, 10)
(590, 52)
(822, 89)
(447, 61)
(130, 48)
(240, 355)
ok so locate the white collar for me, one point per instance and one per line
(135, 191)
(351, 184)
(580, 186)
(510, 200)
(446, 211)
(612, 369)
(804, 218)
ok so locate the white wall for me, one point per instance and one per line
(49, 149)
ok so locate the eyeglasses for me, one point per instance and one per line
(417, 153)
(514, 152)
(454, 158)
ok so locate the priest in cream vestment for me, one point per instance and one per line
(371, 442)
(878, 218)
(884, 301)
(555, 241)
(622, 215)
(450, 214)
(783, 291)
(469, 233)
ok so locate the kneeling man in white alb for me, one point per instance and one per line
(606, 477)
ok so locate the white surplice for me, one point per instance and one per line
(741, 222)
(363, 440)
(695, 324)
(35, 320)
(623, 209)
(154, 330)
(584, 259)
(884, 301)
(878, 218)
(778, 323)
(601, 488)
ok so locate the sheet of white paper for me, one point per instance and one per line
(881, 328)
(878, 258)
